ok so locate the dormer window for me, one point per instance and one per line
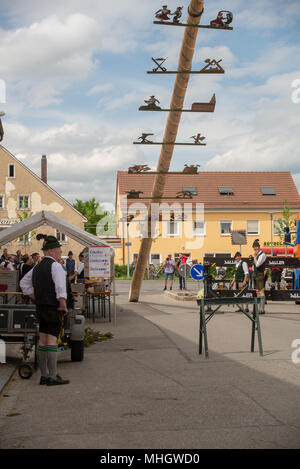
(226, 190)
(267, 190)
(191, 189)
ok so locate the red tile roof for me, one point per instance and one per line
(245, 185)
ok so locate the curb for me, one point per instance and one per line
(6, 375)
(179, 296)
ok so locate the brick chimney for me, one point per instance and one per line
(44, 169)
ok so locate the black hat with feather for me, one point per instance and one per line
(256, 244)
(50, 242)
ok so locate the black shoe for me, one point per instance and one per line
(165, 288)
(57, 381)
(43, 380)
(262, 312)
(170, 288)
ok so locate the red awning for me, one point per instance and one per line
(289, 251)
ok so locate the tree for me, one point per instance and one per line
(93, 211)
(25, 238)
(287, 219)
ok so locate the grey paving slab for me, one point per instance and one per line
(149, 388)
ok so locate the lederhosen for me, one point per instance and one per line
(239, 274)
(45, 298)
(258, 274)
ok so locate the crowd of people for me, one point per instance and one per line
(23, 263)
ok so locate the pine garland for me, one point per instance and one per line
(91, 336)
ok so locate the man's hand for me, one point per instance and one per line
(63, 306)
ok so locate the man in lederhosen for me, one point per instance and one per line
(46, 284)
(79, 272)
(241, 274)
(259, 263)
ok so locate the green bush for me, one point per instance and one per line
(212, 271)
(229, 273)
(91, 336)
(120, 271)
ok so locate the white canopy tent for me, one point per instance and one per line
(47, 218)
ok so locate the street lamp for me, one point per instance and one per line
(127, 219)
(271, 217)
(1, 128)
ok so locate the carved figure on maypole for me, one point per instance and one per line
(191, 169)
(151, 104)
(138, 168)
(133, 194)
(184, 195)
(223, 20)
(198, 139)
(177, 14)
(163, 13)
(144, 138)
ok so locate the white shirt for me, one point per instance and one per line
(80, 268)
(262, 258)
(9, 265)
(58, 277)
(244, 265)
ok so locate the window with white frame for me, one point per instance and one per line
(173, 228)
(277, 228)
(62, 238)
(2, 202)
(225, 227)
(199, 228)
(143, 229)
(252, 227)
(25, 239)
(11, 171)
(23, 202)
(155, 258)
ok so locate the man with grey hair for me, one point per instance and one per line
(46, 285)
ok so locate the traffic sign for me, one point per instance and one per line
(184, 270)
(197, 272)
(128, 244)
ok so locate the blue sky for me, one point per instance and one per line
(75, 75)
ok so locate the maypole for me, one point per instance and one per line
(195, 11)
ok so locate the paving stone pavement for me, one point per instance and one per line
(149, 388)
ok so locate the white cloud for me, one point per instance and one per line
(80, 164)
(269, 141)
(268, 14)
(99, 89)
(49, 48)
(279, 58)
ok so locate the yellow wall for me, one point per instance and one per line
(42, 197)
(212, 242)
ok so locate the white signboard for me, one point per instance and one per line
(99, 262)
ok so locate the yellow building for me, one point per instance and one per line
(23, 193)
(231, 201)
